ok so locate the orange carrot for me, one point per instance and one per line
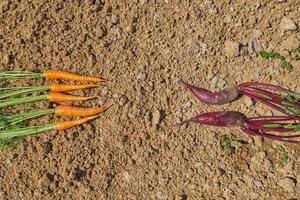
(7, 135)
(57, 96)
(76, 111)
(63, 88)
(62, 125)
(55, 74)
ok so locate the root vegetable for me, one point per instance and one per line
(259, 126)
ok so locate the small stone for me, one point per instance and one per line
(287, 24)
(221, 83)
(251, 47)
(287, 184)
(232, 48)
(188, 104)
(267, 165)
(123, 100)
(101, 32)
(156, 117)
(130, 29)
(7, 59)
(210, 76)
(148, 117)
(249, 102)
(114, 19)
(257, 33)
(214, 81)
(258, 183)
(142, 76)
(203, 48)
(290, 43)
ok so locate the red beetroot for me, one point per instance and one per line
(216, 98)
(281, 99)
(257, 126)
(222, 119)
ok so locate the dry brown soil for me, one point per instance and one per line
(145, 47)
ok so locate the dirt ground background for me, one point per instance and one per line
(145, 47)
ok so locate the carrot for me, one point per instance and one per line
(17, 91)
(55, 74)
(76, 111)
(57, 96)
(62, 125)
(63, 88)
(7, 136)
(15, 120)
(52, 97)
(48, 74)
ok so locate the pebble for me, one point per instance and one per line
(232, 48)
(249, 102)
(287, 24)
(188, 104)
(267, 165)
(251, 47)
(290, 43)
(123, 100)
(221, 83)
(203, 48)
(257, 33)
(156, 117)
(101, 32)
(218, 82)
(114, 19)
(287, 184)
(148, 117)
(7, 59)
(142, 76)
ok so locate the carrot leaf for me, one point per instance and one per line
(11, 142)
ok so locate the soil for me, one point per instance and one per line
(145, 47)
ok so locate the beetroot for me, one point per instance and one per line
(278, 98)
(258, 126)
(222, 119)
(216, 98)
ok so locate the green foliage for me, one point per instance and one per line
(230, 142)
(274, 55)
(283, 154)
(286, 65)
(11, 142)
(292, 110)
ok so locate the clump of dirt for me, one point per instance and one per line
(145, 48)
